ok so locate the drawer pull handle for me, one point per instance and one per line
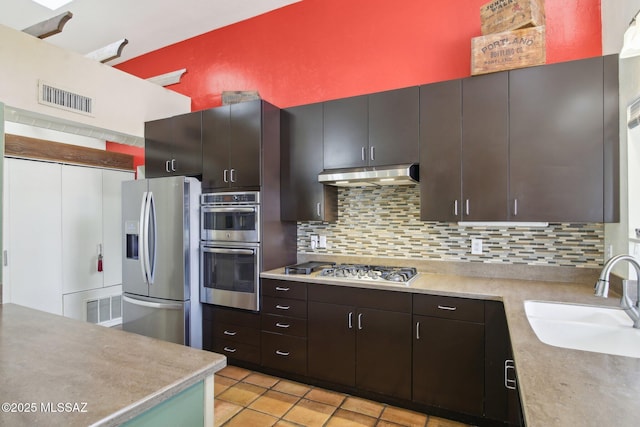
(230, 350)
(446, 307)
(508, 382)
(282, 325)
(282, 307)
(282, 353)
(230, 333)
(278, 288)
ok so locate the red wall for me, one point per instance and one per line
(317, 50)
(136, 152)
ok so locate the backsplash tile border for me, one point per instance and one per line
(385, 222)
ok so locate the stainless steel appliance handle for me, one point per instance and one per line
(167, 306)
(141, 237)
(229, 251)
(207, 209)
(153, 229)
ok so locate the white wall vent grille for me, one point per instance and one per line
(105, 311)
(64, 99)
(633, 114)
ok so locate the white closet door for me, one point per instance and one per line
(81, 228)
(34, 218)
(112, 224)
(6, 296)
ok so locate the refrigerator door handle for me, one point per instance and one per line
(151, 230)
(141, 236)
(166, 306)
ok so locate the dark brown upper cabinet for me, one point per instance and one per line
(303, 198)
(372, 130)
(533, 144)
(558, 141)
(465, 149)
(346, 137)
(232, 144)
(173, 146)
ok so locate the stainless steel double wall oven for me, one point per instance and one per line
(230, 249)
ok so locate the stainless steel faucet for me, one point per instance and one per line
(602, 287)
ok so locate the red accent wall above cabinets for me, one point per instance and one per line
(317, 50)
(136, 152)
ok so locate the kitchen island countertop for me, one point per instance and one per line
(101, 376)
(558, 386)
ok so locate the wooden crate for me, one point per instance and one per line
(508, 50)
(507, 15)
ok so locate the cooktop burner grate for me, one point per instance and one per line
(370, 272)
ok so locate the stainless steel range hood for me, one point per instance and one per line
(406, 174)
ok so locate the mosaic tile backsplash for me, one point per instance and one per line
(385, 222)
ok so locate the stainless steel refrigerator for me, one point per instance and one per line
(160, 266)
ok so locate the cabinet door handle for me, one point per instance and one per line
(508, 382)
(363, 154)
(455, 207)
(166, 166)
(282, 353)
(230, 350)
(224, 175)
(283, 307)
(466, 206)
(282, 325)
(359, 320)
(417, 330)
(173, 165)
(278, 288)
(230, 333)
(318, 209)
(446, 307)
(232, 175)
(373, 153)
(515, 207)
(351, 320)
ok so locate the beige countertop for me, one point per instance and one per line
(108, 376)
(558, 387)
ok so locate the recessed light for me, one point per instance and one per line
(52, 4)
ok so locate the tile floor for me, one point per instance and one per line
(245, 398)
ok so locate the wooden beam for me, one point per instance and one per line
(40, 149)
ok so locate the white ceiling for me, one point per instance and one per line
(147, 24)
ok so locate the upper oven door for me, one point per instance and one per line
(230, 223)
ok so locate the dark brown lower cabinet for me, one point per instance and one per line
(502, 398)
(448, 353)
(365, 346)
(234, 333)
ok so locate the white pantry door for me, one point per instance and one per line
(33, 234)
(81, 228)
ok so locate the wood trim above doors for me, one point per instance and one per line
(40, 149)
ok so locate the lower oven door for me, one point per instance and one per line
(230, 275)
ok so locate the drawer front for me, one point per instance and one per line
(284, 353)
(284, 307)
(449, 307)
(284, 325)
(284, 289)
(361, 297)
(236, 350)
(231, 316)
(236, 333)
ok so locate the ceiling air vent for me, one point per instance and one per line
(64, 99)
(633, 114)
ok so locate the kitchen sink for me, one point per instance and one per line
(584, 327)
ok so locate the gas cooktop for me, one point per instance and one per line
(370, 272)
